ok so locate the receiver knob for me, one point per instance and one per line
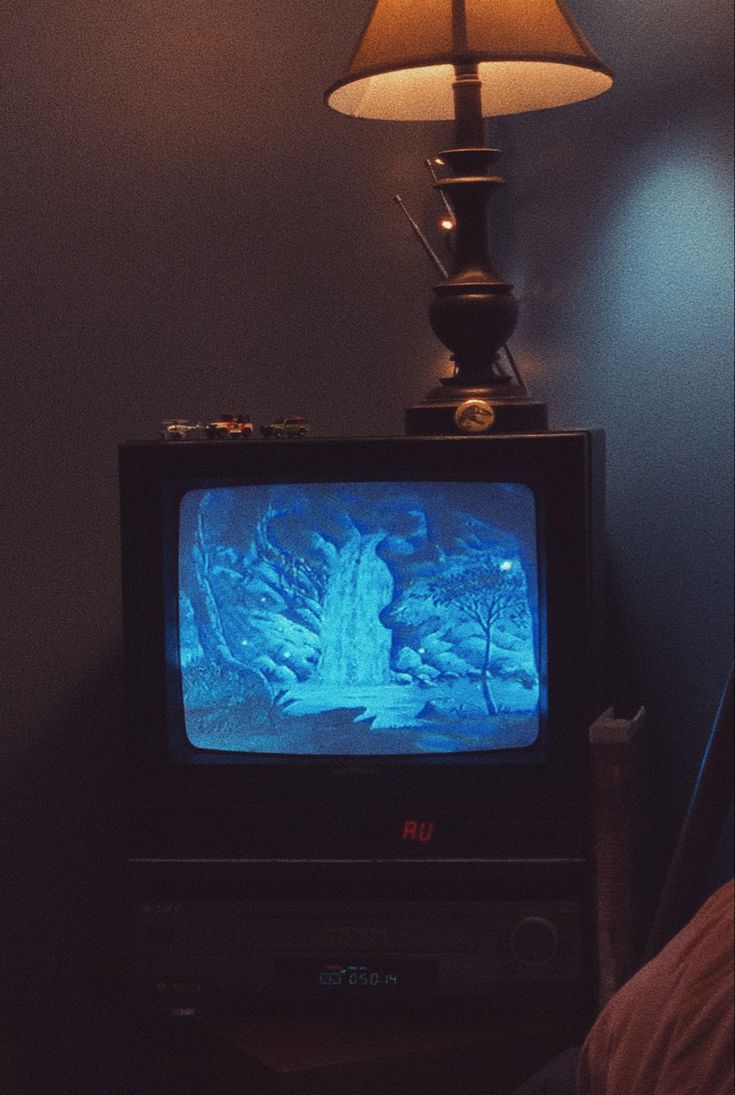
(534, 939)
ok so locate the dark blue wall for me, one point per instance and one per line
(623, 247)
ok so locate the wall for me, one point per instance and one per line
(623, 263)
(187, 230)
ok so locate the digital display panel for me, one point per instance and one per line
(363, 978)
(357, 619)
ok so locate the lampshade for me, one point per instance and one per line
(530, 55)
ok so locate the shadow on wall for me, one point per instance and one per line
(193, 231)
(64, 857)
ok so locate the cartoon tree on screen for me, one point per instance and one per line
(486, 591)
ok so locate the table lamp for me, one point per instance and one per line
(468, 60)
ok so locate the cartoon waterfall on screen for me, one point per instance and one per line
(359, 618)
(355, 645)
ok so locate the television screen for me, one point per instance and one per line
(360, 619)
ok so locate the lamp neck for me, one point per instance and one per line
(469, 131)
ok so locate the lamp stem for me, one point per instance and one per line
(469, 129)
(473, 311)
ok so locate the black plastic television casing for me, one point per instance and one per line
(329, 828)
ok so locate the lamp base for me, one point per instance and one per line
(498, 408)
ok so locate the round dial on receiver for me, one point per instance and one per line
(534, 939)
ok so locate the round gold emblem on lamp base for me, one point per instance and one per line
(476, 412)
(474, 416)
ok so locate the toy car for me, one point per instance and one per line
(294, 426)
(179, 429)
(231, 425)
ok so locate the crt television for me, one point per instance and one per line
(361, 668)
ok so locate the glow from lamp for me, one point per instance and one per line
(423, 60)
(508, 87)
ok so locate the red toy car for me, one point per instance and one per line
(230, 425)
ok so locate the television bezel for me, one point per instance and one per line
(363, 794)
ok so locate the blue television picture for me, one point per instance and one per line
(356, 619)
